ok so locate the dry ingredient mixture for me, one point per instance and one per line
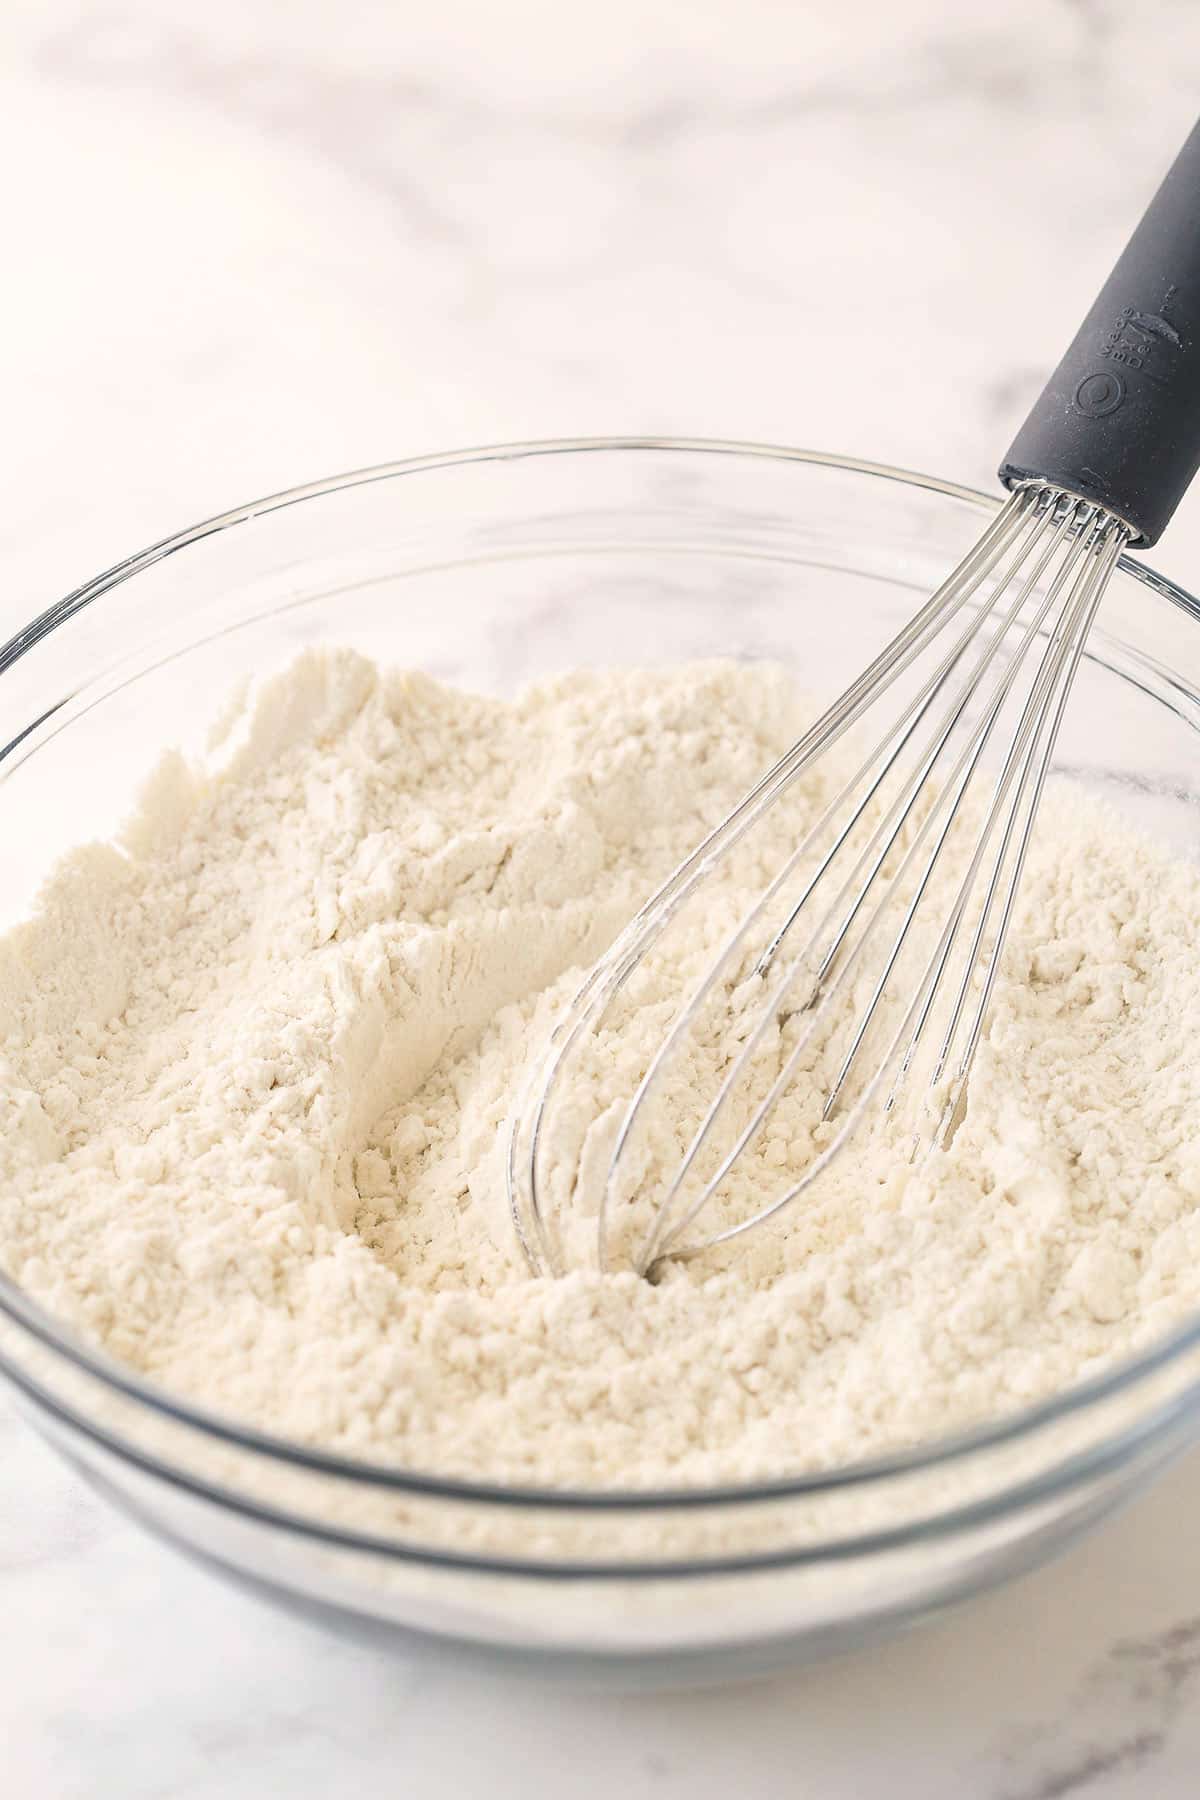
(257, 1058)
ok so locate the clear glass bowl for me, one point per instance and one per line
(490, 569)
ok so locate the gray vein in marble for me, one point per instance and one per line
(300, 100)
(291, 89)
(1119, 1720)
(357, 117)
(425, 147)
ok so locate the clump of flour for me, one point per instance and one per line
(257, 1058)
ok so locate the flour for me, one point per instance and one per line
(257, 1059)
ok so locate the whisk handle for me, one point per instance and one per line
(1119, 420)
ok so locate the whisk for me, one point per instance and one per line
(866, 965)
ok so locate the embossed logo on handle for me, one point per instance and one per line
(1099, 394)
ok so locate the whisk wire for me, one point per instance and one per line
(608, 976)
(1042, 545)
(1113, 536)
(1063, 650)
(879, 846)
(665, 1229)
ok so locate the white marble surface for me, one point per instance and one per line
(249, 244)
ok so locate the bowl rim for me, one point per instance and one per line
(930, 1454)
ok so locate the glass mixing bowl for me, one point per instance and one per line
(490, 569)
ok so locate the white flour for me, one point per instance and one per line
(256, 1063)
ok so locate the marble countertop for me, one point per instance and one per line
(250, 245)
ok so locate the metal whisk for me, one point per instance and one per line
(865, 967)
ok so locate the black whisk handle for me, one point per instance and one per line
(1119, 420)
